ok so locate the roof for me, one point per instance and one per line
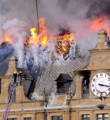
(64, 78)
(26, 74)
(46, 80)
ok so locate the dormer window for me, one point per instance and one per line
(63, 83)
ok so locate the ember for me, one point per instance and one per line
(63, 44)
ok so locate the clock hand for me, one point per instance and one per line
(101, 84)
(104, 85)
(107, 85)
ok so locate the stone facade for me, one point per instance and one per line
(69, 106)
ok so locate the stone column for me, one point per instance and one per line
(78, 92)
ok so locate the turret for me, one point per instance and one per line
(102, 42)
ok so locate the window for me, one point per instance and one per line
(102, 116)
(85, 89)
(57, 117)
(62, 88)
(85, 83)
(63, 83)
(12, 119)
(86, 117)
(28, 118)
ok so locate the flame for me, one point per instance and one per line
(43, 29)
(11, 38)
(43, 38)
(7, 38)
(99, 23)
(34, 37)
(25, 40)
(63, 44)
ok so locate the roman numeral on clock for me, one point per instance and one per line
(96, 76)
(101, 74)
(93, 90)
(104, 94)
(109, 89)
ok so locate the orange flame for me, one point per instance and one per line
(63, 44)
(7, 38)
(99, 23)
(43, 39)
(34, 37)
(10, 38)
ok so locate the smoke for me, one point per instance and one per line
(17, 31)
(72, 15)
(17, 17)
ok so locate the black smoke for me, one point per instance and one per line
(98, 8)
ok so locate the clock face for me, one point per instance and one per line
(101, 85)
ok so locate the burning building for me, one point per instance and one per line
(61, 93)
(52, 76)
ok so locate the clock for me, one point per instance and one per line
(100, 85)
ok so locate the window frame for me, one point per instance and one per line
(103, 116)
(63, 87)
(85, 88)
(87, 117)
(57, 117)
(12, 119)
(26, 118)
